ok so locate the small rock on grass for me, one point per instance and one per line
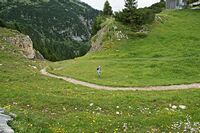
(1, 110)
(4, 128)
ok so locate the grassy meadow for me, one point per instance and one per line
(168, 55)
(47, 105)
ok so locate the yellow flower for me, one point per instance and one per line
(8, 107)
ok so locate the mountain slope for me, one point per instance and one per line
(169, 54)
(48, 105)
(51, 105)
(60, 29)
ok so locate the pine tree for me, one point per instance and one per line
(130, 4)
(107, 10)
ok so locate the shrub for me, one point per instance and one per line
(97, 24)
(2, 23)
(135, 17)
(158, 7)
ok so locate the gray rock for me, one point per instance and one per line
(38, 55)
(4, 128)
(25, 45)
(1, 111)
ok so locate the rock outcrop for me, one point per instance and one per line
(24, 43)
(4, 128)
(59, 29)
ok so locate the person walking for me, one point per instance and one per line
(99, 71)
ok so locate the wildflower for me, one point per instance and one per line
(182, 106)
(14, 103)
(98, 108)
(125, 127)
(174, 107)
(64, 108)
(8, 107)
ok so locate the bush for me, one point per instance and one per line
(135, 17)
(191, 1)
(158, 7)
(2, 23)
(144, 16)
(97, 24)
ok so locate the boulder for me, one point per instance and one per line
(24, 43)
(4, 128)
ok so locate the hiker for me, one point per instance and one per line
(99, 71)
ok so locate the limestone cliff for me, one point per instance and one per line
(22, 42)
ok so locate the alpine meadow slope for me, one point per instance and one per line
(49, 105)
(166, 54)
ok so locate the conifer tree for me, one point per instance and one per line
(130, 4)
(107, 10)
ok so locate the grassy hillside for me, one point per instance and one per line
(46, 105)
(168, 55)
(59, 29)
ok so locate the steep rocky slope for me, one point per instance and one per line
(60, 29)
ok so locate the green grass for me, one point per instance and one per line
(47, 105)
(44, 104)
(168, 55)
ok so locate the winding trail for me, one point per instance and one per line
(100, 87)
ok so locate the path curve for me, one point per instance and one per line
(100, 87)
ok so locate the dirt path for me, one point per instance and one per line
(100, 87)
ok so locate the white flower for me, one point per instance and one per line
(117, 107)
(98, 108)
(64, 108)
(14, 103)
(91, 104)
(117, 113)
(125, 127)
(174, 107)
(167, 108)
(182, 106)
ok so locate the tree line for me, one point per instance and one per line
(130, 15)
